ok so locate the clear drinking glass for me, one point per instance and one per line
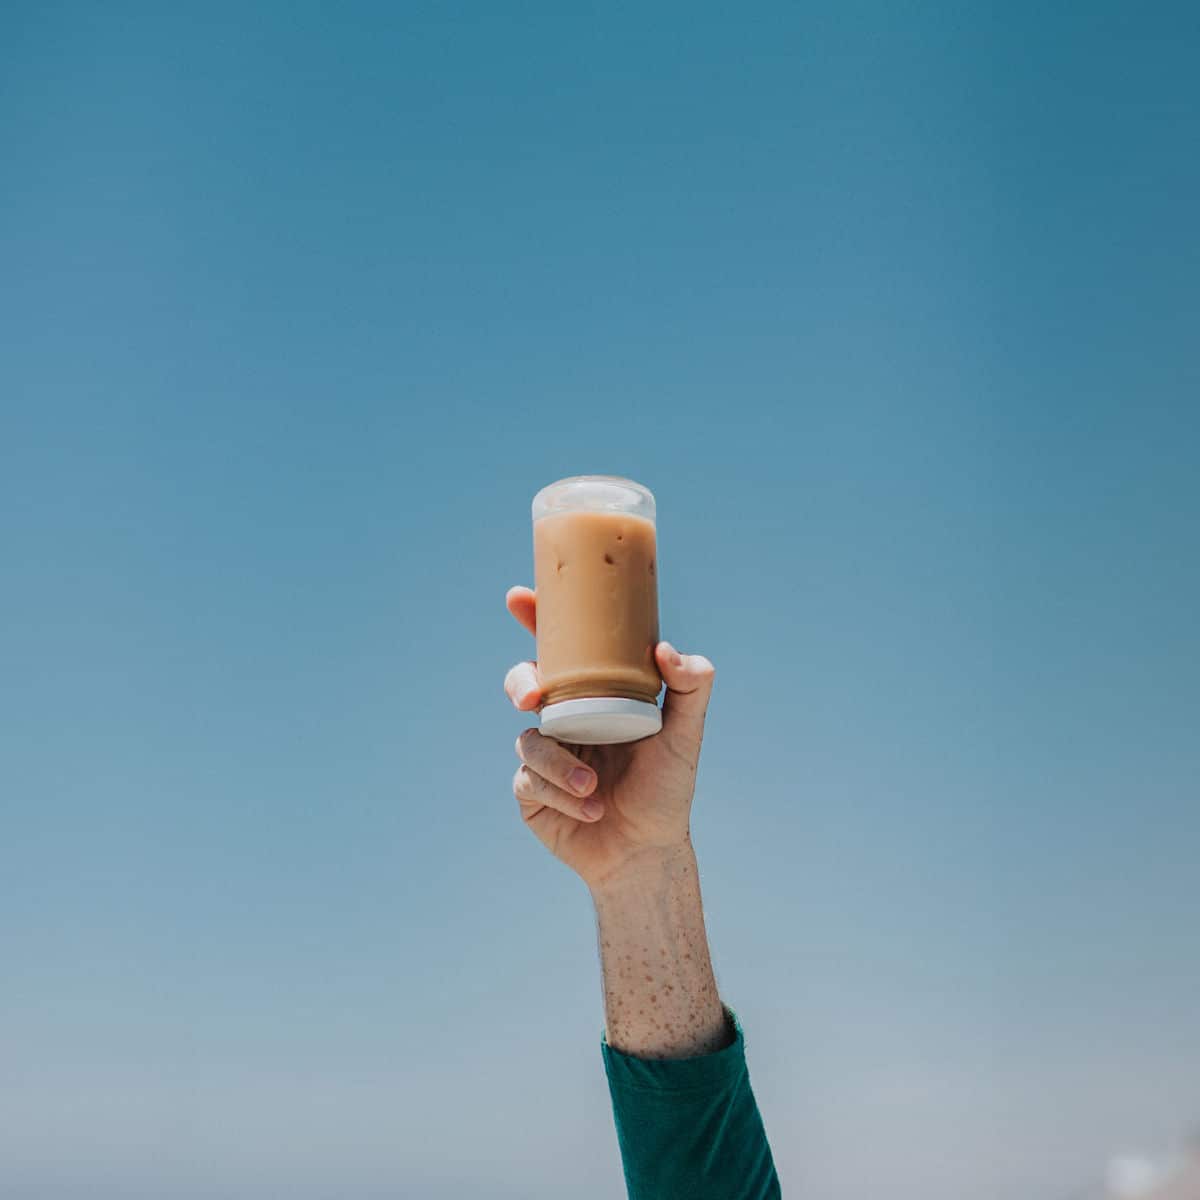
(595, 572)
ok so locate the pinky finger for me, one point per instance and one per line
(536, 793)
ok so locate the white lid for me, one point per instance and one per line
(600, 720)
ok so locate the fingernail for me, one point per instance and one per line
(593, 810)
(580, 780)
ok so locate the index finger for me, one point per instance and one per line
(522, 603)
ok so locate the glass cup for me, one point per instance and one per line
(595, 573)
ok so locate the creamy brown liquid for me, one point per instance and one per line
(597, 605)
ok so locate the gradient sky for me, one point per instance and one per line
(895, 307)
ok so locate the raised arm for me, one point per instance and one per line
(686, 1118)
(660, 997)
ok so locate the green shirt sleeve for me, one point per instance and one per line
(689, 1129)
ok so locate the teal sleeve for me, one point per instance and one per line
(689, 1129)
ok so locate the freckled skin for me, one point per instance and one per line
(675, 1010)
(636, 858)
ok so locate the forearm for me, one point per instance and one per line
(660, 997)
(687, 1122)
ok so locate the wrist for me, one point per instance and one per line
(647, 869)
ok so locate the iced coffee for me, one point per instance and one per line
(595, 572)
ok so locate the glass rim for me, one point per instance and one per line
(638, 502)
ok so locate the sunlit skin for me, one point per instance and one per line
(618, 816)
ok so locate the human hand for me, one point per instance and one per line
(607, 810)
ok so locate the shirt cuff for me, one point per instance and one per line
(703, 1073)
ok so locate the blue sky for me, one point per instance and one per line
(895, 309)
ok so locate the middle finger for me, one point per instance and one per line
(523, 687)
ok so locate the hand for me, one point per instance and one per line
(605, 810)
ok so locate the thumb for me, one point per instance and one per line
(689, 680)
